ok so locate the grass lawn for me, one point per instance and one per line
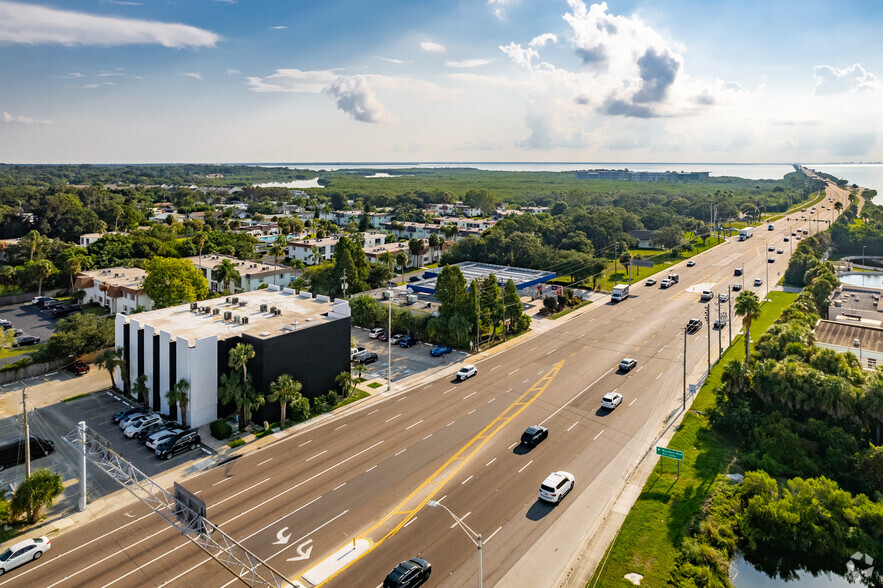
(20, 351)
(375, 385)
(647, 542)
(357, 395)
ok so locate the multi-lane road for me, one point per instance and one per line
(367, 474)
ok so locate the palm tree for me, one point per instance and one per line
(402, 262)
(180, 395)
(314, 256)
(31, 240)
(277, 251)
(231, 389)
(72, 266)
(140, 388)
(286, 390)
(347, 384)
(110, 360)
(200, 243)
(42, 269)
(239, 356)
(747, 306)
(225, 273)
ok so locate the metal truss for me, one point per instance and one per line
(248, 567)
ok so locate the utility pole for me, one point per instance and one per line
(684, 389)
(730, 312)
(81, 502)
(389, 345)
(708, 321)
(720, 328)
(24, 406)
(475, 285)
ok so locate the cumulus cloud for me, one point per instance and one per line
(432, 47)
(41, 25)
(23, 120)
(467, 63)
(499, 7)
(541, 40)
(519, 55)
(279, 27)
(830, 80)
(356, 98)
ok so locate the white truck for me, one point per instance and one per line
(620, 292)
(746, 233)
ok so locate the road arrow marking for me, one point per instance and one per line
(281, 537)
(303, 551)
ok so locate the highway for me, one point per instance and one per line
(368, 473)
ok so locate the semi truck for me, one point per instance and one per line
(620, 292)
(746, 233)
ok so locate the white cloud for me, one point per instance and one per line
(432, 47)
(123, 3)
(355, 97)
(519, 55)
(389, 60)
(830, 80)
(294, 80)
(541, 40)
(36, 25)
(233, 72)
(23, 120)
(279, 27)
(466, 63)
(191, 74)
(499, 7)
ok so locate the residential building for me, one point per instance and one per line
(87, 239)
(303, 249)
(117, 289)
(343, 217)
(290, 334)
(425, 256)
(482, 224)
(644, 238)
(251, 273)
(861, 337)
(535, 209)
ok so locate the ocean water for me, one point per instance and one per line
(868, 175)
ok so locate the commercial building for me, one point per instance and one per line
(524, 279)
(862, 338)
(856, 302)
(251, 273)
(290, 333)
(117, 289)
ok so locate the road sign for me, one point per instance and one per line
(642, 263)
(672, 453)
(692, 388)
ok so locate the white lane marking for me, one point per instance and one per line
(496, 366)
(513, 371)
(598, 435)
(470, 412)
(525, 382)
(451, 390)
(427, 437)
(337, 487)
(466, 480)
(513, 445)
(607, 323)
(414, 425)
(468, 395)
(317, 455)
(302, 444)
(241, 492)
(524, 467)
(639, 369)
(491, 400)
(371, 468)
(552, 351)
(443, 497)
(372, 412)
(393, 418)
(573, 425)
(297, 542)
(402, 398)
(222, 481)
(409, 522)
(659, 376)
(450, 423)
(400, 452)
(507, 391)
(578, 394)
(532, 348)
(490, 462)
(340, 427)
(633, 401)
(265, 461)
(583, 335)
(492, 536)
(462, 518)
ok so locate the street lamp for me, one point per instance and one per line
(473, 536)
(389, 344)
(863, 254)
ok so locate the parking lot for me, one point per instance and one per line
(405, 361)
(29, 319)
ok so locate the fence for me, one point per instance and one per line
(17, 298)
(38, 369)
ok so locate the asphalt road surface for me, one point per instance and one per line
(369, 473)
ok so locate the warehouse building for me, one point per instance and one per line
(308, 338)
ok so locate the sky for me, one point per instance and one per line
(217, 81)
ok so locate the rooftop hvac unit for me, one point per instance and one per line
(227, 315)
(263, 308)
(278, 312)
(245, 320)
(206, 309)
(216, 311)
(235, 300)
(241, 303)
(235, 318)
(193, 306)
(273, 309)
(228, 300)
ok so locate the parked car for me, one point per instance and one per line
(156, 438)
(408, 574)
(79, 368)
(365, 357)
(627, 364)
(5, 324)
(397, 337)
(123, 413)
(23, 552)
(13, 452)
(39, 299)
(439, 350)
(611, 400)
(137, 425)
(534, 435)
(384, 336)
(354, 351)
(26, 340)
(650, 282)
(414, 279)
(693, 325)
(66, 311)
(51, 307)
(691, 263)
(556, 486)
(408, 341)
(125, 422)
(186, 441)
(145, 432)
(737, 286)
(467, 371)
(758, 282)
(375, 332)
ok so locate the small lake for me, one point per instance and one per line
(868, 280)
(299, 184)
(745, 575)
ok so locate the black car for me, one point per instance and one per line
(53, 305)
(407, 574)
(65, 311)
(365, 357)
(534, 435)
(151, 429)
(408, 342)
(26, 340)
(188, 440)
(123, 413)
(693, 325)
(414, 279)
(13, 452)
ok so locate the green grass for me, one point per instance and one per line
(265, 432)
(77, 397)
(375, 385)
(16, 351)
(357, 395)
(236, 443)
(569, 310)
(648, 540)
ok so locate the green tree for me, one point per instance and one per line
(78, 334)
(277, 250)
(72, 266)
(514, 310)
(670, 237)
(286, 390)
(173, 281)
(226, 273)
(179, 395)
(110, 360)
(748, 307)
(626, 260)
(34, 494)
(346, 384)
(37, 271)
(239, 357)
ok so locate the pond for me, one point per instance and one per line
(867, 279)
(744, 575)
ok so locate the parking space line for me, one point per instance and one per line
(598, 435)
(573, 425)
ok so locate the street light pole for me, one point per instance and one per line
(863, 254)
(389, 345)
(684, 389)
(767, 280)
(730, 312)
(475, 537)
(708, 322)
(720, 328)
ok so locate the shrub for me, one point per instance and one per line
(236, 443)
(221, 429)
(34, 494)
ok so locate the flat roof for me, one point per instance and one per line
(122, 276)
(180, 321)
(843, 334)
(860, 299)
(244, 267)
(473, 270)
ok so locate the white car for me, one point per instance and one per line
(665, 283)
(650, 282)
(723, 297)
(161, 436)
(758, 282)
(139, 425)
(128, 420)
(706, 295)
(23, 552)
(467, 371)
(556, 486)
(691, 263)
(611, 400)
(375, 332)
(396, 339)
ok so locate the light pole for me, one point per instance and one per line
(720, 328)
(684, 389)
(730, 312)
(389, 344)
(708, 322)
(475, 537)
(767, 280)
(863, 254)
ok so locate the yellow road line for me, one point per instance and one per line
(463, 456)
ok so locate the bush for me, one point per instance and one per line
(34, 494)
(221, 429)
(236, 443)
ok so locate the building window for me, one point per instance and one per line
(872, 363)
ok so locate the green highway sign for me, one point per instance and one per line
(672, 453)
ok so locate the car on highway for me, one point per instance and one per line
(23, 552)
(138, 425)
(376, 332)
(556, 486)
(737, 271)
(408, 341)
(440, 350)
(691, 263)
(414, 572)
(706, 295)
(737, 286)
(771, 259)
(758, 282)
(793, 233)
(160, 436)
(665, 283)
(770, 248)
(186, 441)
(125, 422)
(26, 340)
(627, 364)
(797, 237)
(123, 413)
(787, 239)
(534, 435)
(723, 297)
(467, 371)
(611, 400)
(693, 325)
(79, 368)
(780, 251)
(650, 282)
(720, 322)
(365, 357)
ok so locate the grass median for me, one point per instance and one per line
(648, 540)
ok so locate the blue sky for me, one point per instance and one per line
(453, 80)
